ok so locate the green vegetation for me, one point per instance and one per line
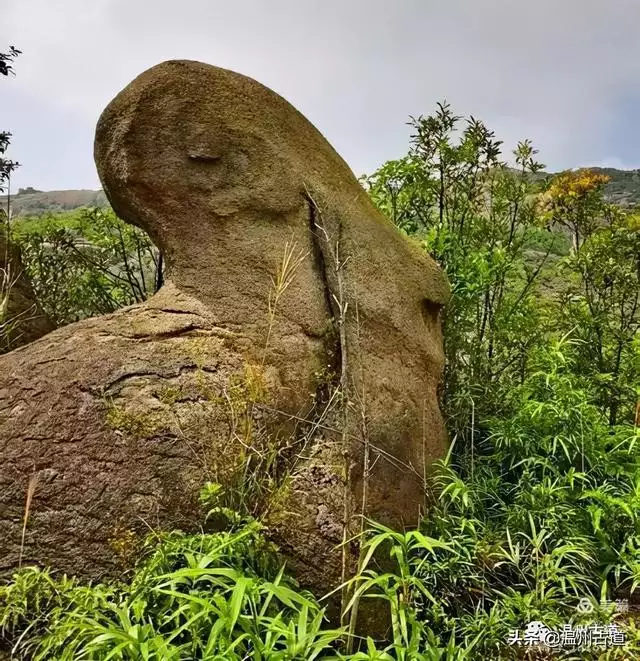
(7, 166)
(30, 202)
(535, 509)
(86, 263)
(213, 596)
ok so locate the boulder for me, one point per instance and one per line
(21, 318)
(292, 356)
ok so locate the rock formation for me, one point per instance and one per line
(21, 319)
(295, 343)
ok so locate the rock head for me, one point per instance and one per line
(292, 356)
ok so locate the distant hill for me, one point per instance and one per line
(623, 189)
(31, 202)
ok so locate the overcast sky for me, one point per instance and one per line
(565, 73)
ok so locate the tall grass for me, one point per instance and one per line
(220, 596)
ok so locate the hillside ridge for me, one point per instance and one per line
(623, 189)
(32, 202)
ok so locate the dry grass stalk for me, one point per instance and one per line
(341, 306)
(291, 261)
(31, 489)
(366, 475)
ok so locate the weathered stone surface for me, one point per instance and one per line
(123, 417)
(21, 319)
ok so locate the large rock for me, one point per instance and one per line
(21, 318)
(282, 399)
